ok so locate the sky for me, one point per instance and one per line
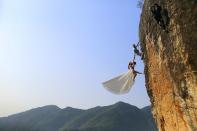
(59, 52)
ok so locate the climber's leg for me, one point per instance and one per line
(135, 74)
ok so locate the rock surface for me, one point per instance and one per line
(171, 64)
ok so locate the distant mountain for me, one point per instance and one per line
(151, 122)
(117, 117)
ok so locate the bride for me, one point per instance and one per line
(122, 83)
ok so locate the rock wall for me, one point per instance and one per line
(170, 59)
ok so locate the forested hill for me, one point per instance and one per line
(116, 117)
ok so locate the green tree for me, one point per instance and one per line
(140, 4)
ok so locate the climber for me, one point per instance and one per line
(131, 66)
(137, 51)
(156, 11)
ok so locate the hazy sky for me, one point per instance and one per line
(60, 51)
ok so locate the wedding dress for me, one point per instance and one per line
(120, 84)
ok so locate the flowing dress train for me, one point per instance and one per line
(120, 84)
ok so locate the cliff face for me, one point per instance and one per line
(170, 59)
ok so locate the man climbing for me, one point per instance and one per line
(137, 51)
(157, 13)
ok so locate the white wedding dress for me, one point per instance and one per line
(120, 84)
